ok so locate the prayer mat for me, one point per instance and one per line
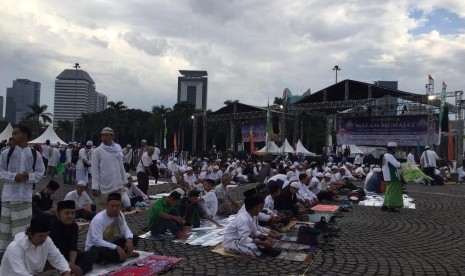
(232, 186)
(132, 212)
(325, 208)
(219, 249)
(81, 224)
(205, 235)
(150, 266)
(152, 182)
(378, 199)
(158, 196)
(105, 269)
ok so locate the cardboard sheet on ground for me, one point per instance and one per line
(152, 182)
(105, 269)
(377, 201)
(205, 235)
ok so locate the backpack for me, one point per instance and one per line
(10, 153)
(75, 156)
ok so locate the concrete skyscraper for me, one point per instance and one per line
(18, 98)
(193, 88)
(75, 92)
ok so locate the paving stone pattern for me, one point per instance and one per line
(428, 240)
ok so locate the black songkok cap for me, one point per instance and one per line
(250, 192)
(40, 224)
(114, 196)
(66, 204)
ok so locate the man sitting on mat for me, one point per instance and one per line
(64, 234)
(241, 236)
(109, 234)
(164, 216)
(192, 211)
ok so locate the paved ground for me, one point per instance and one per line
(426, 241)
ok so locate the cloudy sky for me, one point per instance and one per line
(252, 50)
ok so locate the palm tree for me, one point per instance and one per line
(228, 102)
(39, 111)
(64, 129)
(159, 113)
(32, 118)
(113, 113)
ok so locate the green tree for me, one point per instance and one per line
(159, 113)
(39, 112)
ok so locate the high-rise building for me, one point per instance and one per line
(193, 88)
(1, 107)
(19, 97)
(75, 95)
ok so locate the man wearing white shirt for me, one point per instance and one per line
(190, 178)
(144, 170)
(411, 157)
(109, 234)
(82, 201)
(108, 173)
(46, 150)
(20, 167)
(30, 250)
(315, 183)
(304, 193)
(83, 164)
(209, 200)
(428, 161)
(127, 157)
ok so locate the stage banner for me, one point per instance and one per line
(258, 130)
(409, 130)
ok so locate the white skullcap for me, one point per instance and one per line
(319, 174)
(376, 169)
(335, 167)
(216, 167)
(89, 143)
(188, 169)
(128, 175)
(180, 191)
(81, 183)
(295, 185)
(392, 144)
(328, 175)
(175, 159)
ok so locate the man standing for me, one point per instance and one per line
(108, 175)
(393, 196)
(83, 164)
(144, 170)
(109, 234)
(46, 149)
(428, 162)
(155, 158)
(411, 157)
(64, 234)
(140, 151)
(70, 167)
(53, 161)
(31, 249)
(127, 157)
(20, 168)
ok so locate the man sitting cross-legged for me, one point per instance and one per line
(241, 236)
(64, 234)
(110, 235)
(83, 203)
(192, 211)
(30, 250)
(164, 216)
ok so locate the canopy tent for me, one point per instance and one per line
(354, 150)
(272, 149)
(49, 134)
(287, 147)
(6, 133)
(299, 148)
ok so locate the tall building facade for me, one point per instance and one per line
(193, 88)
(1, 107)
(23, 93)
(75, 94)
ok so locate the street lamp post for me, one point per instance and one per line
(76, 66)
(336, 68)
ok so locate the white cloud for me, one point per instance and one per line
(252, 50)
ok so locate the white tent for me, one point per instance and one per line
(272, 148)
(299, 148)
(6, 133)
(287, 147)
(354, 150)
(49, 134)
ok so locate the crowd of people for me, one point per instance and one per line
(32, 230)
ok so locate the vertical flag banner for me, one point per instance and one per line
(165, 134)
(443, 116)
(450, 144)
(252, 143)
(268, 126)
(175, 143)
